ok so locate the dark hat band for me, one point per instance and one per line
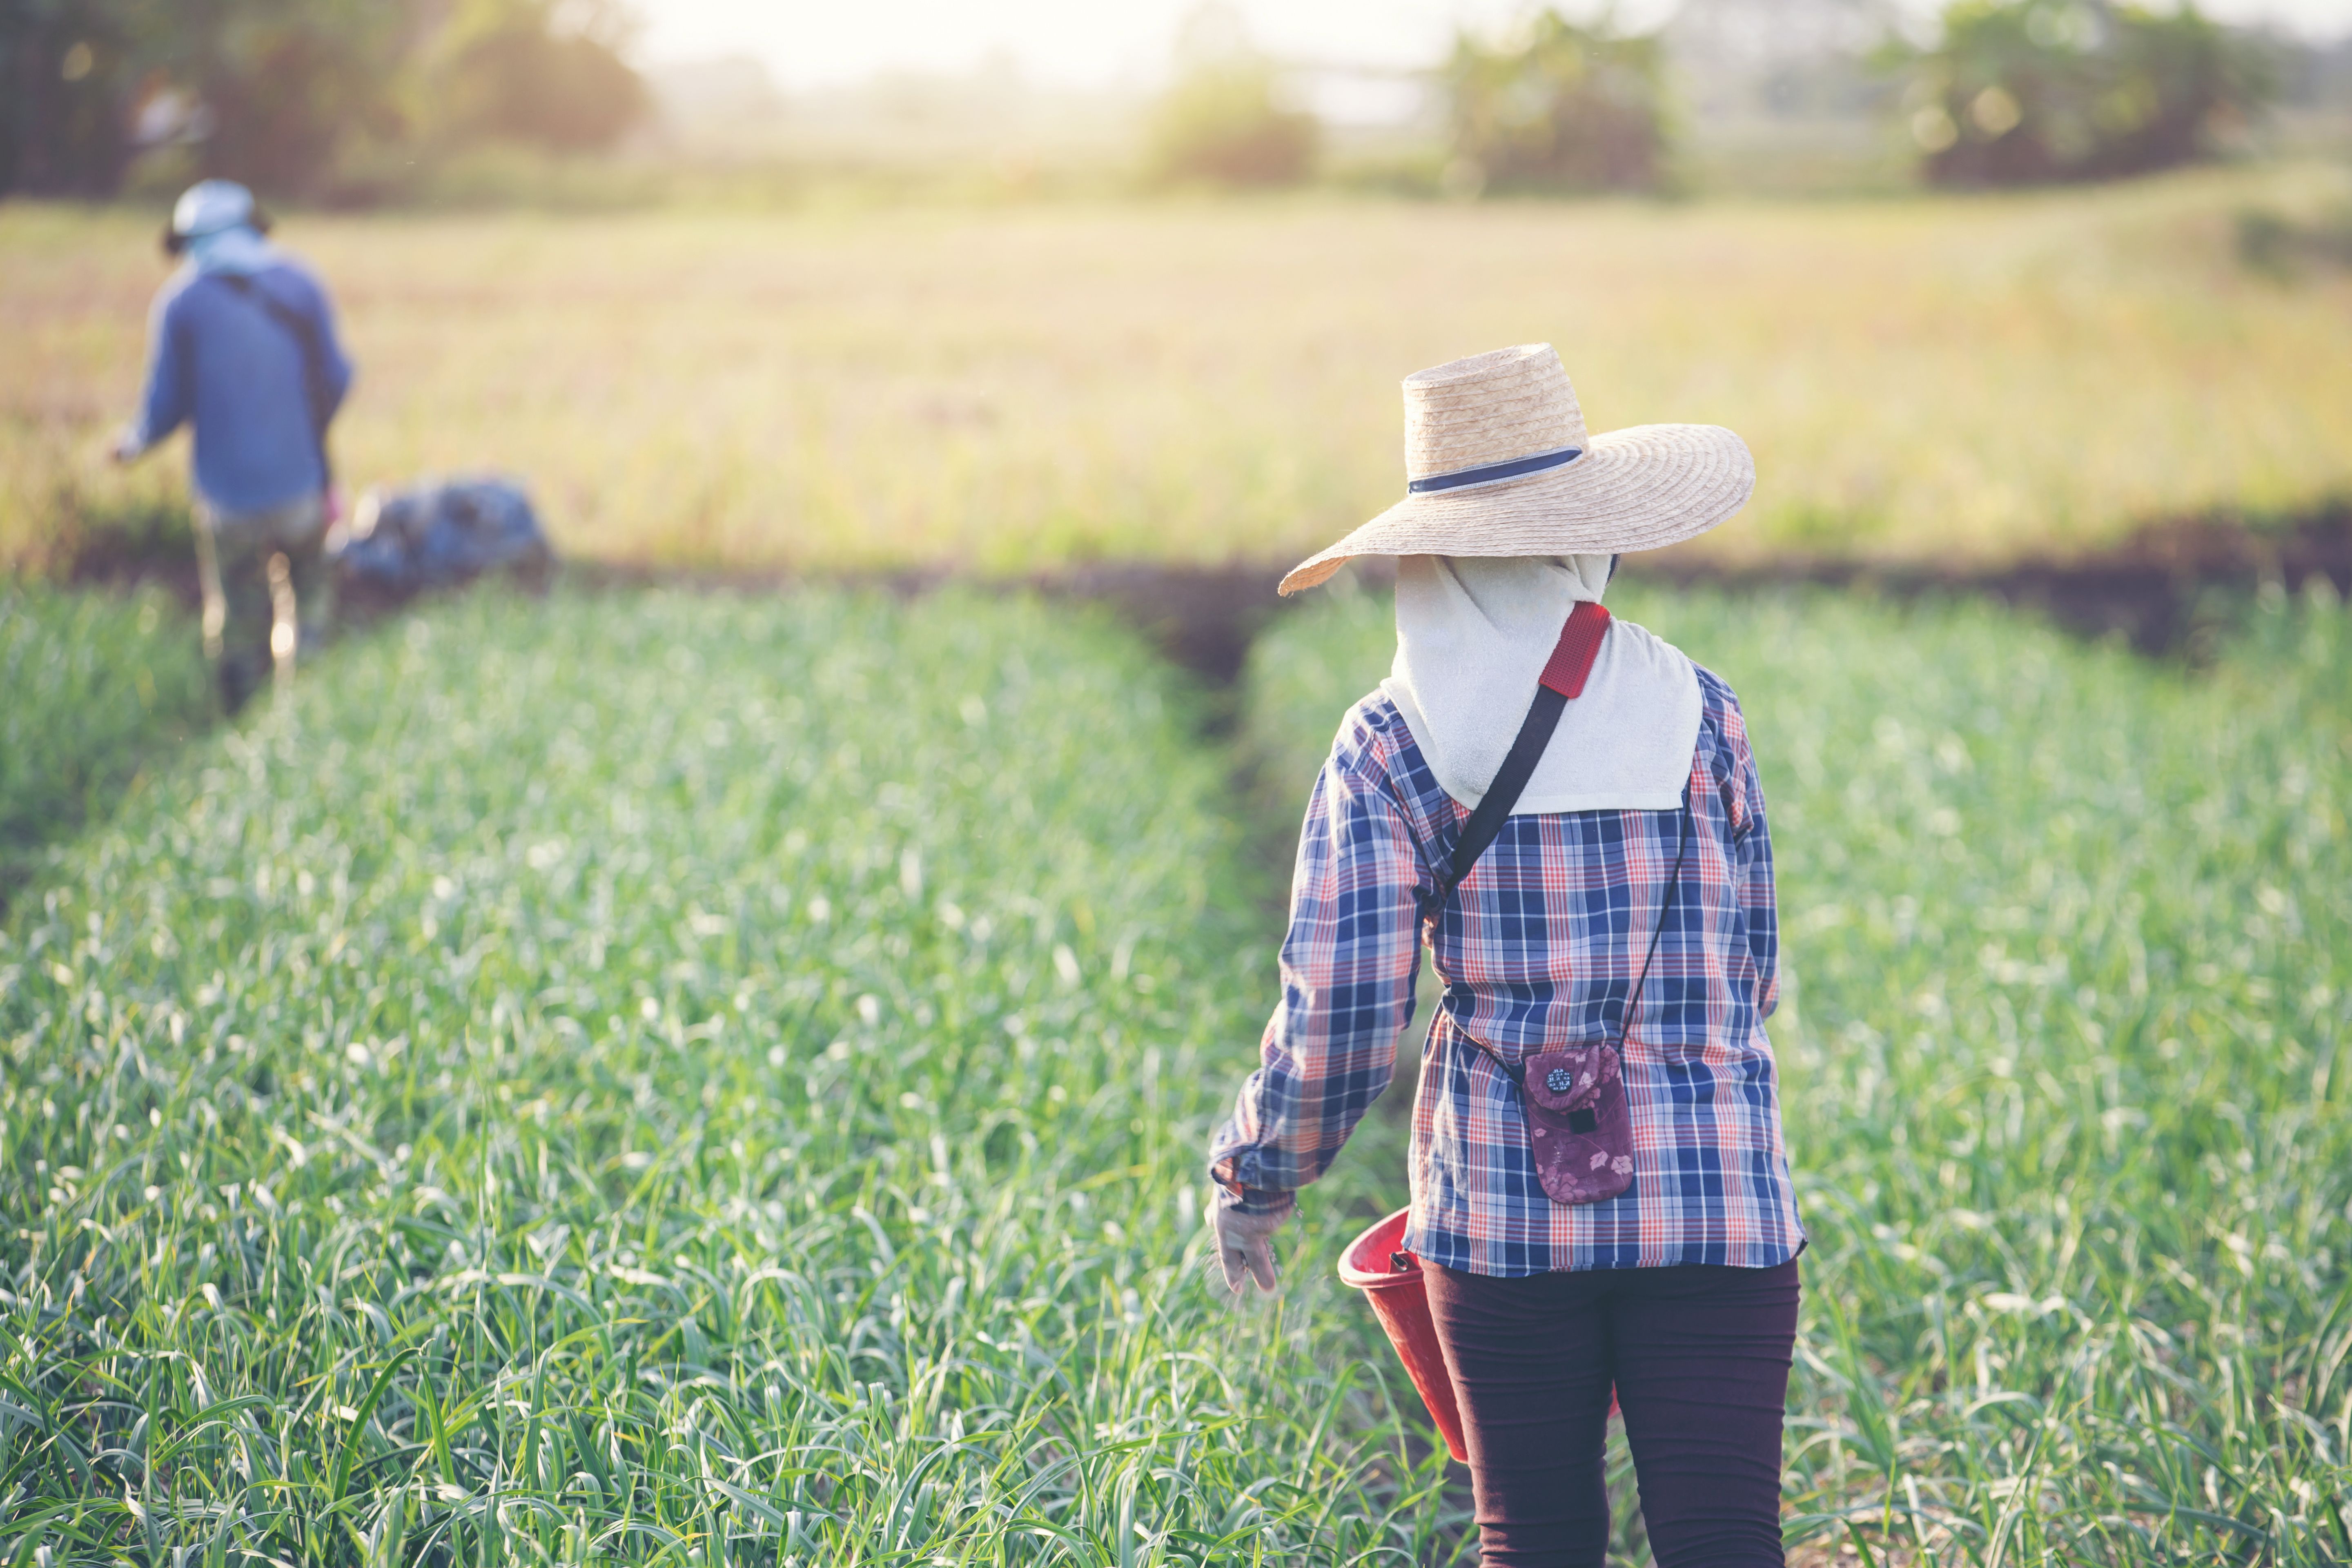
(1491, 472)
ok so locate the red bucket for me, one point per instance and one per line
(1389, 1277)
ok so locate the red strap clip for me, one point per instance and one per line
(1579, 646)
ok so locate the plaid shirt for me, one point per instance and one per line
(1538, 950)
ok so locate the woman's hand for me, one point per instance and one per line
(1244, 1245)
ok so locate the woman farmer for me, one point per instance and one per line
(1564, 807)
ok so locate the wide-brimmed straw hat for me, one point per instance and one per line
(1496, 462)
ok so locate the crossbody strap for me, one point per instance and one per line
(305, 333)
(1562, 678)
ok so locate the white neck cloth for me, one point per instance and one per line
(1473, 635)
(238, 251)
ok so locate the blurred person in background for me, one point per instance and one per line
(243, 347)
(1564, 809)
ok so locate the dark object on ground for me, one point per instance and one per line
(437, 535)
(2169, 588)
(2162, 587)
(2279, 247)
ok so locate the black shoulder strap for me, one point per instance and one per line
(316, 383)
(1494, 807)
(1562, 678)
(1510, 783)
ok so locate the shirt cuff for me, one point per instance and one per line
(1255, 1200)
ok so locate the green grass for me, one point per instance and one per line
(2069, 949)
(702, 1079)
(93, 688)
(665, 1079)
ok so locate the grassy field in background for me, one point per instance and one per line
(2067, 996)
(1007, 388)
(490, 1110)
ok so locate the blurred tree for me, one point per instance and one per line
(2021, 91)
(287, 84)
(279, 93)
(267, 90)
(1224, 119)
(70, 71)
(1571, 108)
(543, 72)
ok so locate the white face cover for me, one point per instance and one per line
(1473, 635)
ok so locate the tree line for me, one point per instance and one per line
(2011, 92)
(312, 99)
(353, 99)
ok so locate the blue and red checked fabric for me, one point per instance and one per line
(1538, 950)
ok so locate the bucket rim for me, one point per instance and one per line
(1364, 1263)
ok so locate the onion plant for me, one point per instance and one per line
(93, 688)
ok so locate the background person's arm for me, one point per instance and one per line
(168, 399)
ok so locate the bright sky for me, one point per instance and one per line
(1092, 43)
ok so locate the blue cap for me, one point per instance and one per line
(208, 207)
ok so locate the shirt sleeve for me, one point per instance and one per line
(165, 408)
(1759, 908)
(337, 364)
(1347, 969)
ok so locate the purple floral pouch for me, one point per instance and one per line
(1578, 1125)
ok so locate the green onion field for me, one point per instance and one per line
(721, 1076)
(93, 686)
(497, 1109)
(706, 1078)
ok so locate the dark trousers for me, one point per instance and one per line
(1699, 1356)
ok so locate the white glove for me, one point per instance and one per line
(1243, 1245)
(128, 448)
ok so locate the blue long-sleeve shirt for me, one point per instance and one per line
(222, 361)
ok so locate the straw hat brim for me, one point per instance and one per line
(1642, 488)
